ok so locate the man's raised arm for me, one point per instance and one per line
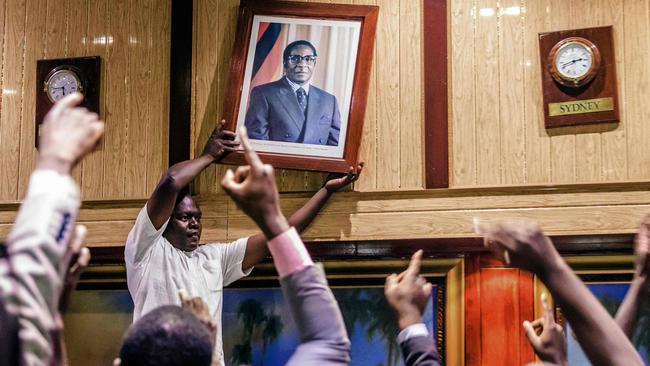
(628, 312)
(256, 249)
(31, 278)
(161, 203)
(522, 244)
(323, 339)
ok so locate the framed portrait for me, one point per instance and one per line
(299, 79)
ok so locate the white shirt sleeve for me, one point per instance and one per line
(412, 331)
(32, 276)
(232, 257)
(141, 238)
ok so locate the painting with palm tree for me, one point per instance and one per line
(258, 329)
(611, 296)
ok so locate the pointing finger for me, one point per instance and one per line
(414, 267)
(251, 156)
(68, 101)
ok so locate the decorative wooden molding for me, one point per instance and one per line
(436, 130)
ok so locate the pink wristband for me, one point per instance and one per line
(289, 253)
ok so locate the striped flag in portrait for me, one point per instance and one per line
(267, 65)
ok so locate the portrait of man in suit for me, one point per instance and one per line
(291, 109)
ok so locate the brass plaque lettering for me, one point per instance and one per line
(581, 106)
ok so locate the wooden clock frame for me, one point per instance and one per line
(89, 71)
(576, 82)
(601, 87)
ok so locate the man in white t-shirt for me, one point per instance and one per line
(162, 252)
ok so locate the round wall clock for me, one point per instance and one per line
(61, 81)
(574, 61)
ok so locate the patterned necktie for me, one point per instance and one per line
(302, 99)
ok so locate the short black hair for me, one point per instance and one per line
(294, 44)
(184, 192)
(169, 336)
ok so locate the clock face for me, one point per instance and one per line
(62, 83)
(574, 60)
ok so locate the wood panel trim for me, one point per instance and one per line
(180, 81)
(436, 125)
(449, 248)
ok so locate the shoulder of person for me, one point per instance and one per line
(320, 91)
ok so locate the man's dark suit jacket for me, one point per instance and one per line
(420, 351)
(274, 114)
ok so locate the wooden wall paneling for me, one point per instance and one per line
(228, 10)
(614, 149)
(75, 35)
(500, 315)
(497, 300)
(585, 13)
(488, 126)
(138, 90)
(388, 97)
(93, 166)
(463, 95)
(3, 10)
(35, 46)
(117, 99)
(526, 297)
(227, 29)
(225, 33)
(11, 104)
(637, 87)
(457, 223)
(410, 95)
(58, 28)
(538, 153)
(562, 139)
(208, 27)
(368, 149)
(158, 100)
(511, 89)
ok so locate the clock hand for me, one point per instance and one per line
(572, 62)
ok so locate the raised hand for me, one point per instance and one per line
(221, 142)
(642, 251)
(200, 309)
(519, 243)
(76, 261)
(253, 189)
(68, 134)
(336, 181)
(408, 292)
(547, 337)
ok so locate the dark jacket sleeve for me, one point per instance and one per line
(257, 116)
(323, 338)
(420, 351)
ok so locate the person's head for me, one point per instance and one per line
(299, 60)
(184, 228)
(168, 335)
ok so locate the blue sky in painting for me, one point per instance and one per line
(364, 352)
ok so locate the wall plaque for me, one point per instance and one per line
(579, 77)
